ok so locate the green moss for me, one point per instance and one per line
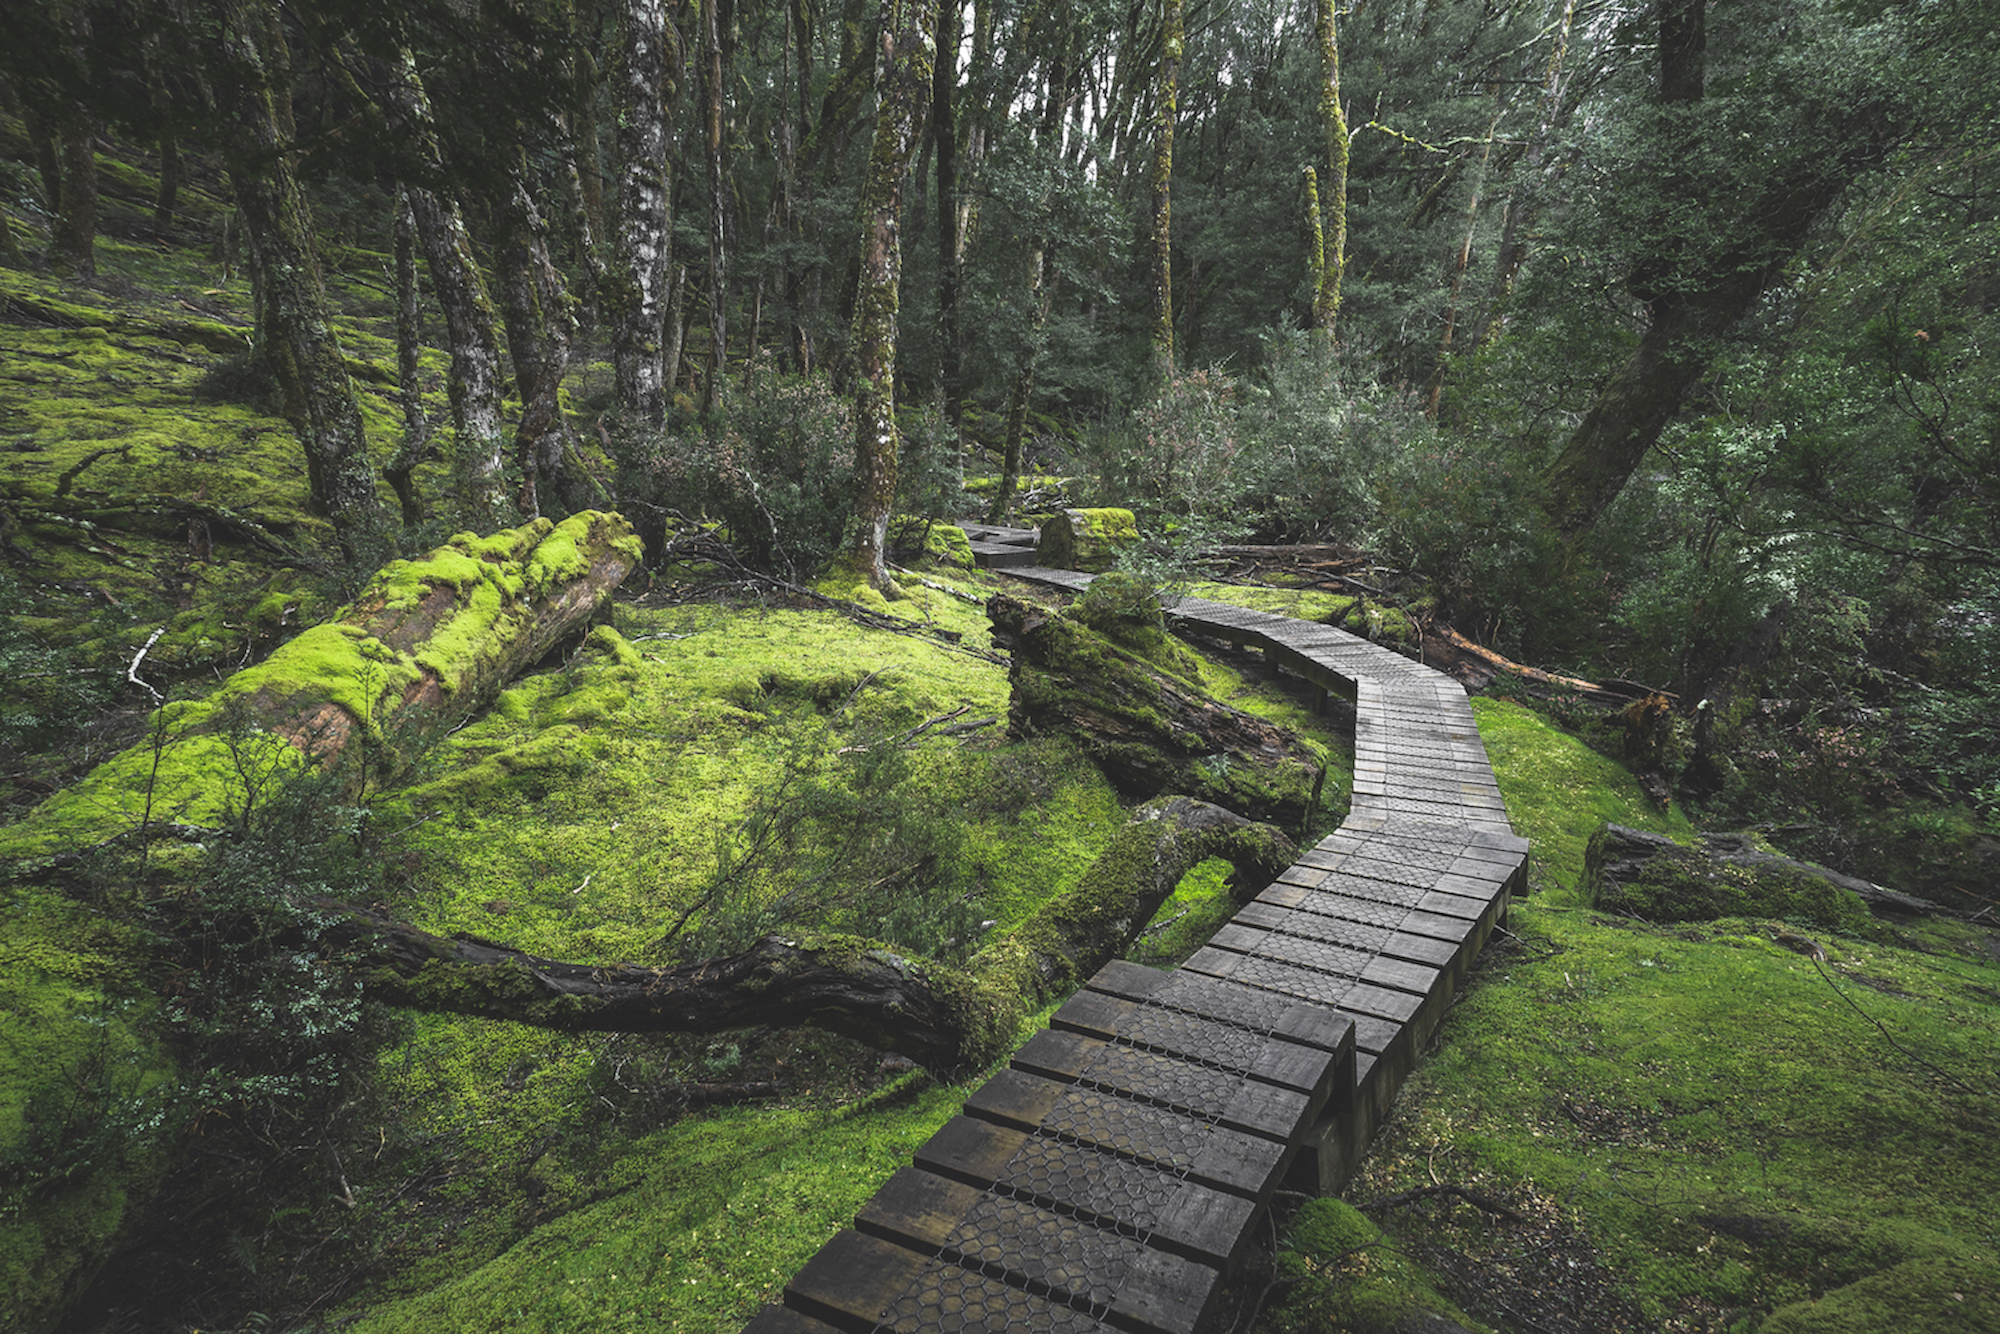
(1346, 1274)
(1558, 791)
(1932, 1295)
(1679, 885)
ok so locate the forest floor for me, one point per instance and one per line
(1618, 1127)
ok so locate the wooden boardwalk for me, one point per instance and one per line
(1108, 1177)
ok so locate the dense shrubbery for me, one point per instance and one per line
(775, 465)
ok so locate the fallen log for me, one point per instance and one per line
(426, 643)
(1650, 876)
(1150, 729)
(945, 1019)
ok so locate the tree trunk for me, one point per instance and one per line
(295, 340)
(1524, 204)
(907, 53)
(948, 1020)
(1166, 106)
(635, 293)
(167, 199)
(1461, 260)
(1333, 205)
(73, 239)
(426, 643)
(718, 204)
(536, 308)
(416, 448)
(1699, 286)
(470, 324)
(944, 129)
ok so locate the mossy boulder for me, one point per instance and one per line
(1085, 539)
(1652, 877)
(1932, 1295)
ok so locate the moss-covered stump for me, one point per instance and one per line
(426, 643)
(1652, 877)
(1150, 729)
(1086, 539)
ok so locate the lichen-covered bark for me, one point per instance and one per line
(635, 290)
(1333, 224)
(425, 643)
(1166, 107)
(535, 306)
(906, 47)
(295, 338)
(470, 326)
(1150, 730)
(416, 446)
(943, 1018)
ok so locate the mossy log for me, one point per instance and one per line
(944, 1018)
(426, 643)
(1650, 876)
(1150, 730)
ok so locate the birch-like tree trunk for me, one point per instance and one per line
(907, 54)
(635, 285)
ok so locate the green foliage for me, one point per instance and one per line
(1468, 520)
(847, 835)
(775, 465)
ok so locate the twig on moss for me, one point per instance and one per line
(1888, 1037)
(1476, 1199)
(132, 672)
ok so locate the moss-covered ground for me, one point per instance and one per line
(1694, 1128)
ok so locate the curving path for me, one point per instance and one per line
(1106, 1179)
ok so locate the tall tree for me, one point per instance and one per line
(471, 327)
(637, 279)
(1331, 225)
(246, 82)
(1165, 108)
(1718, 230)
(907, 54)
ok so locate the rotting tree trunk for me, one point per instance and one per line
(908, 54)
(1149, 729)
(946, 1019)
(427, 642)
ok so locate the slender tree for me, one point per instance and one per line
(1332, 226)
(907, 54)
(1166, 106)
(636, 280)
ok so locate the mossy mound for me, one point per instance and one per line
(1346, 1274)
(1933, 1295)
(1646, 876)
(1126, 610)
